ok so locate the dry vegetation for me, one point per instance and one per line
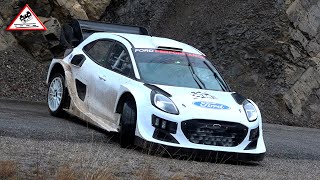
(9, 170)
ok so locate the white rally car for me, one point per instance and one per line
(151, 89)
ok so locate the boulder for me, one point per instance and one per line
(94, 9)
(53, 32)
(82, 9)
(72, 8)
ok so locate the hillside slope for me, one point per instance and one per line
(249, 42)
(265, 53)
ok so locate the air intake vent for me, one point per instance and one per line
(214, 133)
(170, 48)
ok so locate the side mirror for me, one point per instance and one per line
(78, 60)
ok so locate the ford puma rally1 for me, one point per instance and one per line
(151, 89)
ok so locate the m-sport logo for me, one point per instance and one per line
(211, 105)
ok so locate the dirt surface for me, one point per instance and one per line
(42, 146)
(21, 77)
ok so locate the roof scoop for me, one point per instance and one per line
(169, 48)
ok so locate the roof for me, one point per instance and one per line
(152, 42)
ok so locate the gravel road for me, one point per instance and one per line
(36, 141)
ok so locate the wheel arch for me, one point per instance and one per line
(56, 68)
(124, 98)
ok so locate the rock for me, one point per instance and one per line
(288, 2)
(298, 36)
(313, 48)
(250, 79)
(315, 107)
(250, 53)
(7, 9)
(6, 38)
(94, 9)
(42, 8)
(305, 15)
(53, 31)
(301, 90)
(292, 73)
(295, 52)
(82, 9)
(315, 114)
(72, 8)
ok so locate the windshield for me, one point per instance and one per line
(178, 69)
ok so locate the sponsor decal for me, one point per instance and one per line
(26, 20)
(200, 95)
(146, 50)
(170, 52)
(211, 105)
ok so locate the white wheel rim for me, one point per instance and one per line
(55, 94)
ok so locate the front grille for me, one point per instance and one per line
(214, 133)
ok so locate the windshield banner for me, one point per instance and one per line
(146, 50)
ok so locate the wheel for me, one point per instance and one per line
(56, 95)
(128, 124)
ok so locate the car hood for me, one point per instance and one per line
(206, 104)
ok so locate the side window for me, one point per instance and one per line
(98, 51)
(119, 60)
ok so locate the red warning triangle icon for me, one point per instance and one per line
(26, 20)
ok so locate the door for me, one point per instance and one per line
(97, 75)
(120, 72)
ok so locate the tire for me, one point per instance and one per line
(56, 95)
(128, 124)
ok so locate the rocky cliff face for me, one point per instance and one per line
(302, 99)
(267, 50)
(261, 47)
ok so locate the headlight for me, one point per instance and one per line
(250, 110)
(163, 103)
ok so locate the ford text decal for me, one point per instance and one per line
(211, 105)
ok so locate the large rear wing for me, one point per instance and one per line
(76, 31)
(82, 29)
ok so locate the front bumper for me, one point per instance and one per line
(196, 154)
(246, 146)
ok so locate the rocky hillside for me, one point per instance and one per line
(267, 50)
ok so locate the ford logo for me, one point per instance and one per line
(211, 105)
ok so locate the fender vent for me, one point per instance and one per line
(81, 89)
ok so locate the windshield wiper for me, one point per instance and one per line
(220, 81)
(195, 76)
